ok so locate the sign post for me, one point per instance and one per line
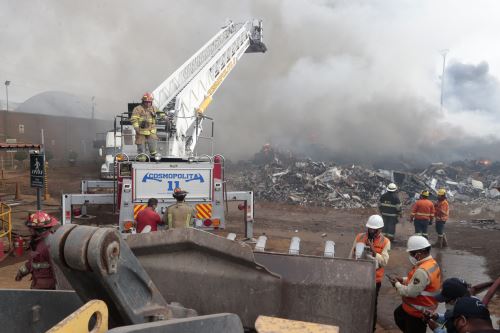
(37, 172)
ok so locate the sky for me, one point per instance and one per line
(357, 79)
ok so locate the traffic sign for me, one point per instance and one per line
(37, 170)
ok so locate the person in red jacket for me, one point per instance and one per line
(149, 216)
(442, 213)
(39, 264)
(422, 214)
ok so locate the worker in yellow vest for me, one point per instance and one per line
(377, 247)
(180, 214)
(419, 288)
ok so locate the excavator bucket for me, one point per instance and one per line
(211, 274)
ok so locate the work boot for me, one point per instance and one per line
(445, 241)
(439, 242)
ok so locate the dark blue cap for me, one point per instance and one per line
(453, 288)
(471, 307)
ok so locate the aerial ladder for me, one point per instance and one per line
(184, 97)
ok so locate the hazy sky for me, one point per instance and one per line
(361, 77)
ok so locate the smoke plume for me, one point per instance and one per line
(352, 79)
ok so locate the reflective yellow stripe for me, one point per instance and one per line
(203, 211)
(137, 209)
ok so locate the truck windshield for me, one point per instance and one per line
(111, 150)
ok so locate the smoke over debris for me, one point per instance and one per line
(355, 79)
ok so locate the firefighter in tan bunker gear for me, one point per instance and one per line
(144, 121)
(180, 214)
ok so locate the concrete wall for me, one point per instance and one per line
(62, 134)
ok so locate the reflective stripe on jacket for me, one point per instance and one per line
(415, 306)
(423, 209)
(389, 204)
(144, 120)
(442, 210)
(379, 246)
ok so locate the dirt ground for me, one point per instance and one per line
(472, 254)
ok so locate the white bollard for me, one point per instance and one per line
(329, 249)
(294, 246)
(231, 236)
(261, 244)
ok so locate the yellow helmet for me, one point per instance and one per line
(441, 191)
(425, 193)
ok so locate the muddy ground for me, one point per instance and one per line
(472, 254)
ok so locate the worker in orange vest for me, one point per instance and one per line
(422, 214)
(377, 247)
(419, 288)
(442, 209)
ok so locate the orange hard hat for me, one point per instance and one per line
(147, 97)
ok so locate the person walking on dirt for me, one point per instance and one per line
(39, 264)
(390, 208)
(442, 209)
(180, 214)
(419, 288)
(378, 248)
(422, 214)
(144, 121)
(149, 217)
(470, 315)
(452, 290)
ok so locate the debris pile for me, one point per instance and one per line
(283, 178)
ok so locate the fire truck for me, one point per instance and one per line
(183, 97)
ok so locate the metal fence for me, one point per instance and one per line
(6, 221)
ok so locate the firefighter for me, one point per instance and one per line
(180, 214)
(422, 214)
(442, 209)
(378, 247)
(149, 216)
(419, 288)
(390, 208)
(39, 264)
(144, 121)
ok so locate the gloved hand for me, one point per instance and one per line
(19, 276)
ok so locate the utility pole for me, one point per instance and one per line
(6, 123)
(93, 107)
(443, 54)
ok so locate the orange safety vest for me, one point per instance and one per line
(379, 245)
(423, 209)
(442, 210)
(415, 306)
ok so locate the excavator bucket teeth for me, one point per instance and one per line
(212, 274)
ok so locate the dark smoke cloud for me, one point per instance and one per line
(471, 87)
(350, 79)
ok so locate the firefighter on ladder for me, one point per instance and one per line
(378, 248)
(39, 264)
(180, 214)
(390, 209)
(422, 214)
(144, 121)
(419, 288)
(442, 209)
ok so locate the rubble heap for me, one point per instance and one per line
(282, 178)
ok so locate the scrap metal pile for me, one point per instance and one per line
(279, 177)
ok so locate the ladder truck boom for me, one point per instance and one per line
(188, 91)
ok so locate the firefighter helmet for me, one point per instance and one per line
(147, 97)
(178, 192)
(441, 191)
(392, 187)
(41, 219)
(425, 193)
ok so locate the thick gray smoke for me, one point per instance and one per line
(350, 79)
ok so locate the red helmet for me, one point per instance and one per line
(40, 219)
(147, 97)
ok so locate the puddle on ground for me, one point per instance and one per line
(464, 265)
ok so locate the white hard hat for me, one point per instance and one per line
(375, 222)
(392, 187)
(417, 243)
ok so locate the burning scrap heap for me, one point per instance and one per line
(280, 177)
